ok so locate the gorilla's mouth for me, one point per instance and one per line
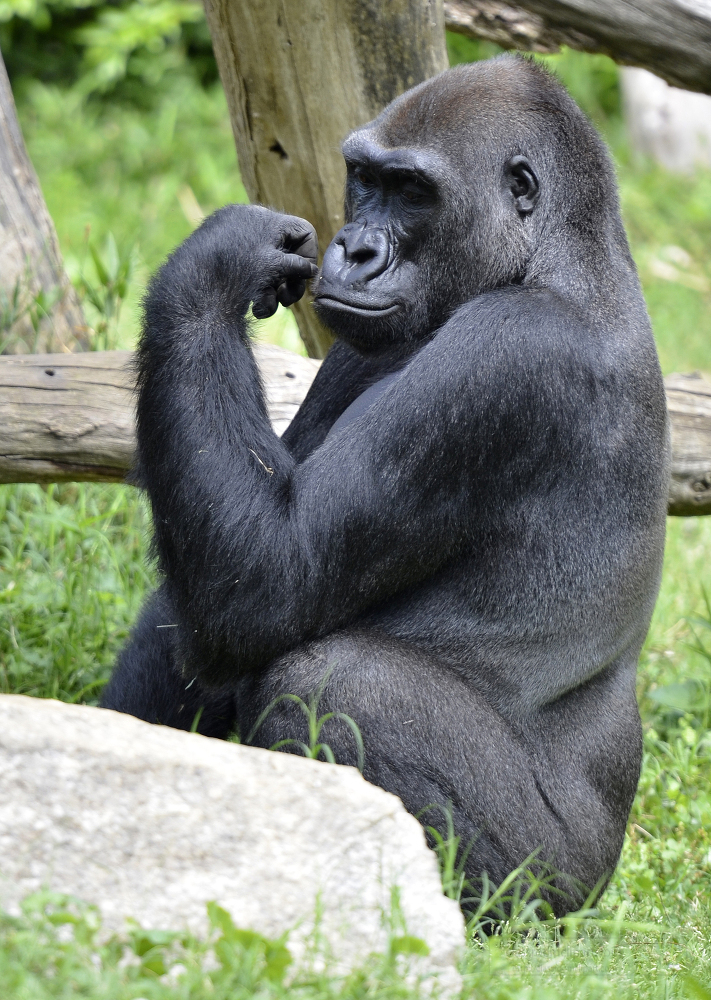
(329, 302)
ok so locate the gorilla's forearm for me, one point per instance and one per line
(260, 553)
(215, 472)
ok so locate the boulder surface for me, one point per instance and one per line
(151, 823)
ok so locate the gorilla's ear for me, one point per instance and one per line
(523, 183)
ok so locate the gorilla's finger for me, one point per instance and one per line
(265, 305)
(293, 265)
(308, 246)
(291, 291)
(302, 241)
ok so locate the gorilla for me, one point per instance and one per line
(457, 542)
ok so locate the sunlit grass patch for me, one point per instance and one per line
(73, 572)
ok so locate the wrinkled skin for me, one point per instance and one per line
(459, 537)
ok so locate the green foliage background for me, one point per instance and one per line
(127, 126)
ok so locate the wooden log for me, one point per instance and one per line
(70, 417)
(689, 401)
(298, 76)
(672, 38)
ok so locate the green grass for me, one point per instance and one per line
(665, 214)
(74, 570)
(54, 949)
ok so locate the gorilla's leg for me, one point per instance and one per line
(147, 683)
(539, 785)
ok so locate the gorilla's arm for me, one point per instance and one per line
(260, 553)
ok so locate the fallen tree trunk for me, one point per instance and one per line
(689, 401)
(70, 417)
(672, 38)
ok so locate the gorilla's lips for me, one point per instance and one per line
(355, 308)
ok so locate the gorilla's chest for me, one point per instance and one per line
(362, 403)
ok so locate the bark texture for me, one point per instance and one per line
(35, 289)
(299, 75)
(68, 418)
(672, 38)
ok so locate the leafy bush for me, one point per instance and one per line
(94, 45)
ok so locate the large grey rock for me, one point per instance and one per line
(152, 823)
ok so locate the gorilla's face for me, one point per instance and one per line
(427, 229)
(373, 287)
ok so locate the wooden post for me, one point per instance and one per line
(299, 75)
(30, 262)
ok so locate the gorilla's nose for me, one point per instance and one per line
(357, 253)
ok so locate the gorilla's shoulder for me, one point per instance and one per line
(519, 329)
(516, 305)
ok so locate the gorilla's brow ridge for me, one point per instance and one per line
(362, 148)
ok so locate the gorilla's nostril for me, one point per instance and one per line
(368, 249)
(362, 254)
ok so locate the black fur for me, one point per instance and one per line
(471, 558)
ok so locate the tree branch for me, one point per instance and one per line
(672, 38)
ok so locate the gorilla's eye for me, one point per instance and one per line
(414, 190)
(365, 178)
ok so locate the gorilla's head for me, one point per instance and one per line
(484, 176)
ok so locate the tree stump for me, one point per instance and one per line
(39, 309)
